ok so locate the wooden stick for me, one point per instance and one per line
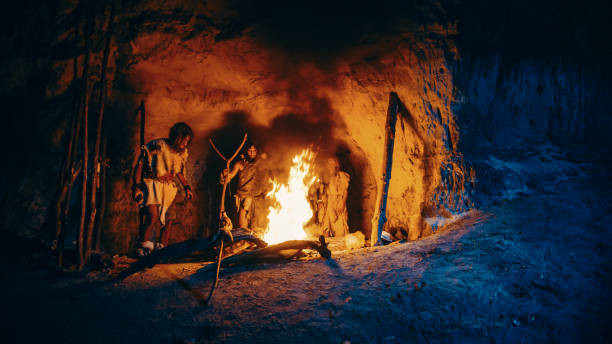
(216, 282)
(75, 124)
(380, 215)
(273, 253)
(142, 123)
(222, 209)
(140, 111)
(80, 247)
(96, 151)
(264, 254)
(181, 250)
(60, 220)
(216, 150)
(100, 221)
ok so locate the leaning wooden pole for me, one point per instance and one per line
(95, 182)
(73, 123)
(62, 234)
(63, 202)
(142, 123)
(85, 94)
(380, 216)
(99, 223)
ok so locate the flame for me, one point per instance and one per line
(291, 210)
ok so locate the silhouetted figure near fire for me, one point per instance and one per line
(247, 170)
(160, 161)
(332, 192)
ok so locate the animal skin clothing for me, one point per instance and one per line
(161, 165)
(162, 160)
(246, 179)
(160, 193)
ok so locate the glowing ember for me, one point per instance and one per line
(291, 210)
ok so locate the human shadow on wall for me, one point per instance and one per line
(362, 188)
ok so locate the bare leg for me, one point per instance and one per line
(245, 212)
(149, 215)
(165, 233)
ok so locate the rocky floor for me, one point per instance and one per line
(535, 269)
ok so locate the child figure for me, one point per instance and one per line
(159, 162)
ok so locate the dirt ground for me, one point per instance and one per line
(535, 269)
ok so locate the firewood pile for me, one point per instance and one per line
(242, 248)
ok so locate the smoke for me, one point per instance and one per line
(319, 34)
(323, 32)
(318, 30)
(285, 136)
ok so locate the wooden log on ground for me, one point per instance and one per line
(279, 252)
(274, 253)
(181, 250)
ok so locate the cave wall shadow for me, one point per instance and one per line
(362, 187)
(284, 137)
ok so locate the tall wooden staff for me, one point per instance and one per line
(85, 95)
(97, 165)
(222, 215)
(380, 217)
(70, 168)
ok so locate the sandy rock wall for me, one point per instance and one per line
(219, 72)
(170, 57)
(201, 82)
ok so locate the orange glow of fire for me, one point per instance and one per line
(291, 210)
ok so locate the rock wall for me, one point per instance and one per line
(203, 83)
(202, 64)
(517, 104)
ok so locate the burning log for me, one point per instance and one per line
(278, 252)
(274, 253)
(184, 249)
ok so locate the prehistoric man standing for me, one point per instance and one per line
(247, 170)
(159, 162)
